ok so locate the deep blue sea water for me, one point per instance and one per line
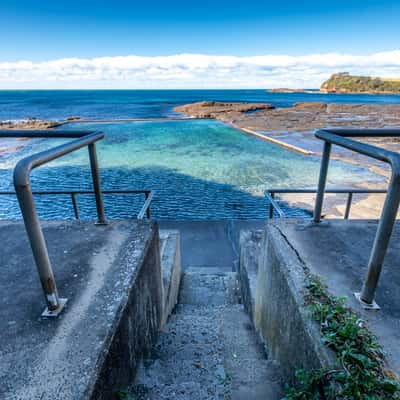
(199, 169)
(58, 104)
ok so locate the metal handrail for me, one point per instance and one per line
(27, 204)
(44, 134)
(146, 206)
(144, 211)
(340, 137)
(274, 205)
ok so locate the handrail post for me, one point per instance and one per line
(391, 205)
(39, 250)
(271, 208)
(148, 212)
(75, 205)
(322, 181)
(381, 242)
(101, 218)
(270, 197)
(348, 205)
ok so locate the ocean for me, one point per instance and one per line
(59, 104)
(199, 169)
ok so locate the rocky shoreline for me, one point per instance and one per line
(31, 123)
(301, 117)
(293, 127)
(10, 145)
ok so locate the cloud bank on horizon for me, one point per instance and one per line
(193, 71)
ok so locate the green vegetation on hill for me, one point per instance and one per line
(346, 83)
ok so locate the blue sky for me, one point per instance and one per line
(55, 28)
(49, 30)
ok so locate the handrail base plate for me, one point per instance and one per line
(54, 314)
(371, 307)
(101, 223)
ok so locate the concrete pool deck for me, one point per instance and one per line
(111, 276)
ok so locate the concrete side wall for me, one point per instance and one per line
(250, 252)
(280, 314)
(171, 270)
(138, 327)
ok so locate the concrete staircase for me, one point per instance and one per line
(208, 349)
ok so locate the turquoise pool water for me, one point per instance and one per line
(198, 169)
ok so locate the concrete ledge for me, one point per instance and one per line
(171, 270)
(112, 278)
(337, 251)
(278, 142)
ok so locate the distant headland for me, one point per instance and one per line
(286, 90)
(345, 83)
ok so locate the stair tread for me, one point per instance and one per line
(182, 391)
(208, 349)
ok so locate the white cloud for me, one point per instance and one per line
(194, 71)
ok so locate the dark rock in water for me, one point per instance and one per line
(365, 109)
(221, 110)
(31, 123)
(310, 106)
(286, 90)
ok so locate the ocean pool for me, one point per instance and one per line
(198, 169)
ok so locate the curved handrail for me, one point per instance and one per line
(274, 205)
(144, 211)
(340, 137)
(26, 165)
(26, 201)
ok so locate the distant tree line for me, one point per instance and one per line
(345, 83)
